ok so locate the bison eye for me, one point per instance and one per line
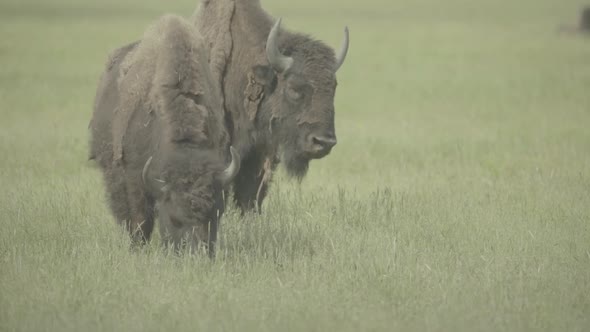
(294, 94)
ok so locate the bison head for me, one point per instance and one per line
(189, 193)
(300, 84)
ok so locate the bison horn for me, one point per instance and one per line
(230, 172)
(145, 170)
(279, 62)
(144, 174)
(343, 50)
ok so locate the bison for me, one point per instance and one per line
(583, 26)
(277, 89)
(158, 135)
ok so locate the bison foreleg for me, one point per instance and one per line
(251, 183)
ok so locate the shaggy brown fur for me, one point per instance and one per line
(157, 101)
(268, 112)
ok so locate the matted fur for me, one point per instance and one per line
(213, 18)
(171, 59)
(185, 90)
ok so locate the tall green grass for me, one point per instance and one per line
(457, 198)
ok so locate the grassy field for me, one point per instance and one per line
(457, 199)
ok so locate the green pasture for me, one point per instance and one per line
(457, 198)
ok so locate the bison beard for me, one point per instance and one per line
(295, 165)
(295, 161)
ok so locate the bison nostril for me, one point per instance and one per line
(324, 141)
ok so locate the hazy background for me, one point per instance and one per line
(457, 198)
